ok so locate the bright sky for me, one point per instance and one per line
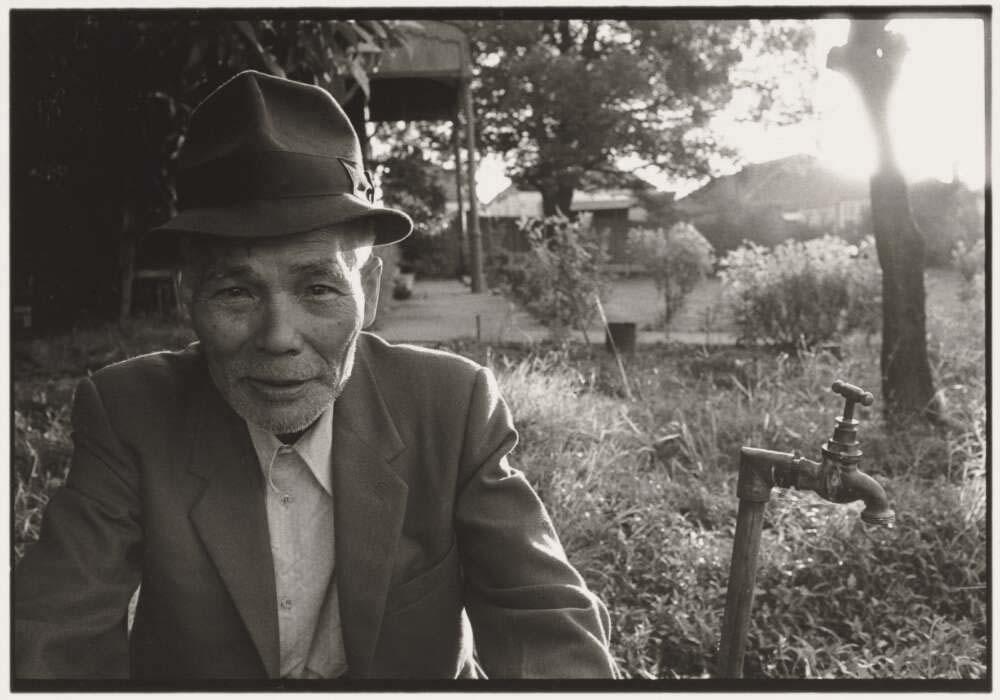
(938, 116)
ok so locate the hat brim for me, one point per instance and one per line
(281, 217)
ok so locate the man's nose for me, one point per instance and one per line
(278, 333)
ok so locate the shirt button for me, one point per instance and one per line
(286, 499)
(286, 603)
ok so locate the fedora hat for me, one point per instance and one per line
(266, 156)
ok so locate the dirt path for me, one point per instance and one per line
(443, 310)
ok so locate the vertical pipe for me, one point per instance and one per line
(739, 595)
(475, 237)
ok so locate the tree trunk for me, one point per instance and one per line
(907, 386)
(871, 58)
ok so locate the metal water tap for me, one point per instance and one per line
(835, 478)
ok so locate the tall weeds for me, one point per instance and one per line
(643, 495)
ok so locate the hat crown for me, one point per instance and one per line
(255, 113)
(265, 156)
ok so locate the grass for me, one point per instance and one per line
(650, 521)
(643, 494)
(644, 497)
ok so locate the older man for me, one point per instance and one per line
(296, 497)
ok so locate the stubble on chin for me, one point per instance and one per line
(274, 417)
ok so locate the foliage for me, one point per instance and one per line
(801, 294)
(677, 259)
(413, 183)
(561, 97)
(559, 278)
(970, 260)
(948, 215)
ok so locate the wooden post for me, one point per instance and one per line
(456, 143)
(475, 236)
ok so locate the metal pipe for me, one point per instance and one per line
(739, 595)
(836, 479)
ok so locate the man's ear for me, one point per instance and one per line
(371, 280)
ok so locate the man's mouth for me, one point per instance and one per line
(278, 388)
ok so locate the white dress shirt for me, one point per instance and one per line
(298, 481)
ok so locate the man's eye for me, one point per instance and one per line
(232, 294)
(320, 290)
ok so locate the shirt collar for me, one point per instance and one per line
(313, 446)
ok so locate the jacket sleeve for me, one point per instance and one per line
(531, 613)
(72, 588)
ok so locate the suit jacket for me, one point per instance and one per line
(443, 550)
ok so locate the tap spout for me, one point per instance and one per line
(838, 481)
(846, 483)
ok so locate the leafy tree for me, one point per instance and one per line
(562, 97)
(411, 182)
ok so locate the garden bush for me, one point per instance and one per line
(559, 278)
(970, 261)
(677, 259)
(802, 294)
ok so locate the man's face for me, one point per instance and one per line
(278, 320)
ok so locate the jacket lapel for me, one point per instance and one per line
(369, 506)
(231, 518)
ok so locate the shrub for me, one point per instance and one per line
(969, 260)
(802, 294)
(677, 260)
(559, 277)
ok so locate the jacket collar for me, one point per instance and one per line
(369, 505)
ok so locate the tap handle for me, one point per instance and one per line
(852, 394)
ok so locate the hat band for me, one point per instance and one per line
(269, 175)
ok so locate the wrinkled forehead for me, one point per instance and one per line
(344, 247)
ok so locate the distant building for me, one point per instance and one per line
(613, 210)
(793, 197)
